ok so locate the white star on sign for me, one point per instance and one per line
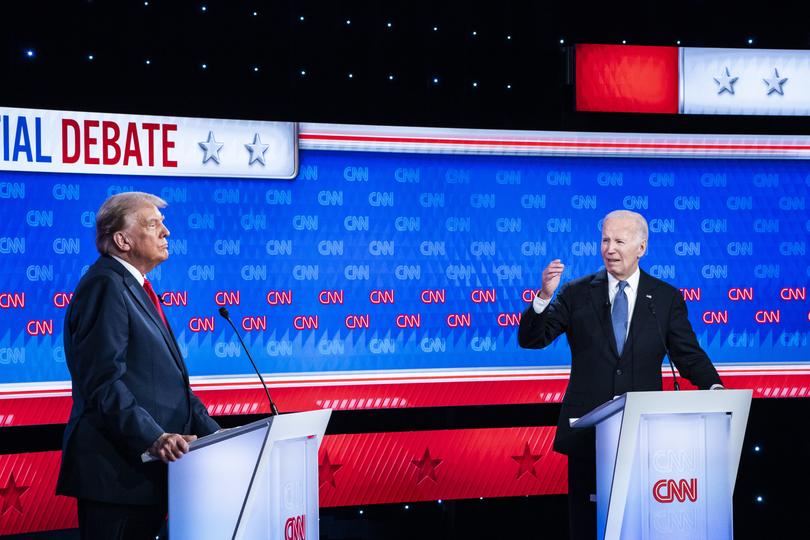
(775, 83)
(257, 150)
(211, 147)
(726, 83)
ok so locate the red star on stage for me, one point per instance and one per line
(426, 467)
(326, 470)
(11, 495)
(527, 461)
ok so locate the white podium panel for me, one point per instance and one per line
(258, 481)
(666, 463)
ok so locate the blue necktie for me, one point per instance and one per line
(619, 316)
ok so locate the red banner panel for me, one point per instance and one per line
(627, 78)
(375, 468)
(359, 469)
(27, 499)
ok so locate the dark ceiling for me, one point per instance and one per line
(441, 63)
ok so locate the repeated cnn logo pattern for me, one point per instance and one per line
(378, 261)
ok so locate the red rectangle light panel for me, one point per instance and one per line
(626, 78)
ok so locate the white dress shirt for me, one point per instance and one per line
(631, 291)
(132, 270)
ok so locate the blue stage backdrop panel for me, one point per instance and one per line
(457, 241)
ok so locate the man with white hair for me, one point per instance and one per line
(131, 391)
(616, 321)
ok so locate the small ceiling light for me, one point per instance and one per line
(435, 80)
(148, 62)
(301, 18)
(562, 41)
(750, 41)
(475, 84)
(204, 8)
(303, 73)
(435, 28)
(407, 507)
(509, 37)
(759, 498)
(29, 53)
(361, 511)
(624, 42)
(391, 77)
(474, 33)
(348, 21)
(204, 66)
(146, 3)
(389, 24)
(90, 57)
(678, 42)
(255, 13)
(351, 75)
(508, 86)
(255, 69)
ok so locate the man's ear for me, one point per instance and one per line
(121, 241)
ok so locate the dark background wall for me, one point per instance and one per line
(504, 64)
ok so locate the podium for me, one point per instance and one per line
(255, 481)
(666, 463)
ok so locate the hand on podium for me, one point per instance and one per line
(170, 446)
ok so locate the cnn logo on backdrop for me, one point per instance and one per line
(295, 528)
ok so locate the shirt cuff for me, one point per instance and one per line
(539, 304)
(717, 387)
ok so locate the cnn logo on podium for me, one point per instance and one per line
(295, 528)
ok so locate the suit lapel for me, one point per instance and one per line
(601, 305)
(140, 296)
(641, 311)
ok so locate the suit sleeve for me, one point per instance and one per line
(688, 356)
(99, 324)
(201, 422)
(537, 331)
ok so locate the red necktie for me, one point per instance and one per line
(154, 298)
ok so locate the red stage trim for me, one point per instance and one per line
(225, 397)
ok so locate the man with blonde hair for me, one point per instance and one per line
(617, 322)
(131, 391)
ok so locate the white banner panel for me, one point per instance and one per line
(100, 143)
(745, 81)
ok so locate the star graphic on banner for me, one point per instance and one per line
(426, 467)
(775, 83)
(327, 470)
(726, 83)
(526, 461)
(257, 150)
(11, 496)
(211, 147)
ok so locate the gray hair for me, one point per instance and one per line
(641, 224)
(116, 214)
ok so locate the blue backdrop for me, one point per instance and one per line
(355, 230)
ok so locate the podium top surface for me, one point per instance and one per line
(306, 423)
(659, 402)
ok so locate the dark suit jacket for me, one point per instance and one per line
(130, 385)
(581, 310)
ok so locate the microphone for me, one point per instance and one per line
(224, 313)
(664, 343)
